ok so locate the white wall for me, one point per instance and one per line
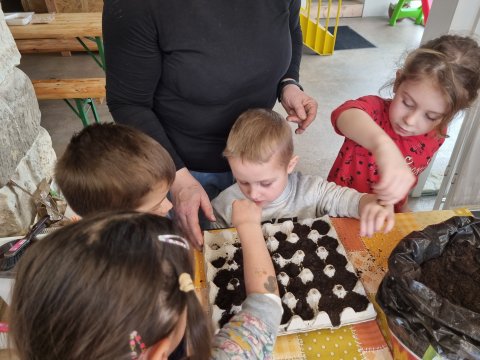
(376, 7)
(452, 16)
(461, 184)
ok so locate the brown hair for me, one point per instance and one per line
(109, 167)
(258, 134)
(453, 62)
(80, 292)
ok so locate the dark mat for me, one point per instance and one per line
(349, 39)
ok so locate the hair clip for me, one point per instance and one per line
(174, 239)
(185, 282)
(135, 343)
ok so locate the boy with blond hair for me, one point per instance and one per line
(115, 167)
(260, 153)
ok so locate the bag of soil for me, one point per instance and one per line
(431, 293)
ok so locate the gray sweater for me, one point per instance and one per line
(305, 196)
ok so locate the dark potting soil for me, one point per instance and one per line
(321, 226)
(333, 305)
(455, 275)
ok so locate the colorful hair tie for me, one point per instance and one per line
(186, 283)
(136, 345)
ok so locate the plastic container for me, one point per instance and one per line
(18, 18)
(400, 350)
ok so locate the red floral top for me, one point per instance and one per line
(356, 167)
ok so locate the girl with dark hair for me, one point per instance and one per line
(119, 285)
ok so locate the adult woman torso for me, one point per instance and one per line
(190, 68)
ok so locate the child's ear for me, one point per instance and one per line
(159, 351)
(292, 163)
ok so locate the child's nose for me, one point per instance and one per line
(254, 193)
(411, 118)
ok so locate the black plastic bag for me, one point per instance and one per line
(417, 315)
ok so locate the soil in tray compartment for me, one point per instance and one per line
(455, 275)
(301, 230)
(329, 302)
(287, 249)
(321, 226)
(334, 306)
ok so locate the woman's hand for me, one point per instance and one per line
(300, 107)
(188, 196)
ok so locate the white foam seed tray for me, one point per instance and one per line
(220, 243)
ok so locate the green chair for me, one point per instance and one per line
(400, 12)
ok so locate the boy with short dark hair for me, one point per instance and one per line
(260, 153)
(115, 167)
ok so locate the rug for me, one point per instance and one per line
(349, 39)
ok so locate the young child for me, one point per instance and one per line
(118, 285)
(260, 153)
(389, 142)
(115, 167)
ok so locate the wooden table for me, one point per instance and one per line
(67, 26)
(369, 256)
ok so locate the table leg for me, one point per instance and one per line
(100, 60)
(81, 109)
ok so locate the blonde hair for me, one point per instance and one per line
(111, 167)
(257, 135)
(453, 63)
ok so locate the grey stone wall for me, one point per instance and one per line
(26, 153)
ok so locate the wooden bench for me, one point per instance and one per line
(81, 91)
(26, 46)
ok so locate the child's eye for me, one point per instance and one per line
(407, 104)
(263, 184)
(432, 117)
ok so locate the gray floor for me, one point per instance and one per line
(329, 79)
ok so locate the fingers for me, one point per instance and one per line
(186, 207)
(303, 114)
(311, 108)
(196, 232)
(367, 223)
(375, 219)
(300, 112)
(190, 226)
(206, 207)
(390, 222)
(193, 221)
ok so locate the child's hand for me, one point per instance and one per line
(245, 212)
(396, 177)
(375, 217)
